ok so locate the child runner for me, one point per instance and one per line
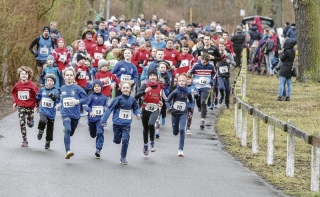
(24, 98)
(48, 96)
(61, 54)
(95, 107)
(72, 96)
(179, 109)
(194, 92)
(151, 91)
(121, 107)
(50, 69)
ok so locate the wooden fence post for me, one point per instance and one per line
(255, 131)
(239, 122)
(244, 86)
(271, 129)
(235, 115)
(244, 126)
(291, 142)
(315, 166)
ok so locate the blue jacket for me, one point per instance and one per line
(160, 45)
(125, 68)
(191, 89)
(50, 70)
(203, 76)
(47, 106)
(131, 40)
(177, 97)
(292, 33)
(72, 92)
(121, 107)
(96, 103)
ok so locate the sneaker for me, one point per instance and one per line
(47, 146)
(145, 149)
(215, 101)
(180, 153)
(287, 99)
(163, 121)
(211, 107)
(227, 107)
(24, 143)
(97, 154)
(153, 148)
(123, 161)
(202, 125)
(157, 134)
(188, 131)
(280, 98)
(40, 135)
(82, 115)
(69, 154)
(220, 100)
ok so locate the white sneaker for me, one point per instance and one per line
(188, 132)
(180, 153)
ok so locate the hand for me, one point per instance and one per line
(106, 80)
(138, 117)
(195, 93)
(35, 54)
(160, 104)
(104, 124)
(147, 89)
(228, 61)
(233, 54)
(51, 95)
(92, 114)
(41, 85)
(14, 106)
(75, 101)
(79, 70)
(131, 82)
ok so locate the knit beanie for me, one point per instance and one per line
(141, 41)
(81, 56)
(101, 63)
(50, 57)
(152, 71)
(51, 76)
(97, 81)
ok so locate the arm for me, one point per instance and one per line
(86, 105)
(190, 98)
(217, 55)
(135, 75)
(170, 97)
(34, 43)
(135, 108)
(141, 91)
(109, 110)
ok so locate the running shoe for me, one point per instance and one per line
(202, 125)
(123, 161)
(97, 154)
(188, 131)
(47, 146)
(157, 134)
(24, 143)
(180, 153)
(69, 154)
(145, 149)
(40, 133)
(153, 148)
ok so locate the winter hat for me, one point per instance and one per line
(141, 41)
(89, 22)
(97, 81)
(46, 28)
(51, 76)
(81, 56)
(239, 27)
(101, 36)
(50, 57)
(101, 63)
(60, 39)
(152, 71)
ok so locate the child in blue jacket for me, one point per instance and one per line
(195, 94)
(50, 69)
(48, 97)
(95, 108)
(179, 108)
(121, 107)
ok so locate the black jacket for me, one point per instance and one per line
(287, 57)
(254, 34)
(238, 41)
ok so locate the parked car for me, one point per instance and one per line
(264, 20)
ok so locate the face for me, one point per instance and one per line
(176, 45)
(189, 81)
(206, 40)
(53, 26)
(199, 44)
(112, 34)
(154, 52)
(99, 40)
(177, 26)
(50, 61)
(68, 77)
(129, 33)
(169, 45)
(204, 62)
(54, 35)
(104, 68)
(102, 26)
(171, 36)
(125, 89)
(24, 76)
(222, 47)
(127, 54)
(124, 40)
(122, 31)
(97, 88)
(81, 47)
(153, 78)
(225, 36)
(160, 55)
(114, 43)
(45, 33)
(157, 37)
(162, 68)
(89, 36)
(143, 34)
(60, 44)
(50, 83)
(182, 81)
(185, 50)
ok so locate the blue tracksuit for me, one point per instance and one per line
(123, 70)
(50, 69)
(47, 106)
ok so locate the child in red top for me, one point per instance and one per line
(82, 71)
(61, 55)
(106, 77)
(24, 98)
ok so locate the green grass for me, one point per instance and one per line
(303, 110)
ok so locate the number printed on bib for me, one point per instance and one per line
(44, 51)
(67, 102)
(47, 103)
(125, 114)
(113, 62)
(151, 107)
(125, 77)
(184, 63)
(97, 56)
(223, 69)
(98, 110)
(178, 105)
(203, 80)
(23, 95)
(62, 58)
(82, 75)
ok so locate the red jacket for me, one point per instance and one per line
(172, 56)
(97, 52)
(187, 62)
(140, 55)
(89, 44)
(62, 57)
(82, 75)
(106, 90)
(153, 96)
(229, 46)
(24, 94)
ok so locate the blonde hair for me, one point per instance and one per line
(27, 69)
(68, 69)
(124, 82)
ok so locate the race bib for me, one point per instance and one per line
(203, 80)
(151, 107)
(23, 95)
(44, 51)
(62, 58)
(178, 105)
(184, 63)
(67, 102)
(97, 56)
(125, 114)
(107, 83)
(125, 77)
(113, 63)
(47, 103)
(170, 62)
(82, 75)
(98, 110)
(223, 69)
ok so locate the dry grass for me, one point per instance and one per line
(303, 109)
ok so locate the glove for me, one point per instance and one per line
(51, 95)
(190, 110)
(173, 112)
(75, 101)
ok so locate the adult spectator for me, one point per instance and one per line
(258, 23)
(292, 32)
(238, 41)
(89, 41)
(158, 43)
(131, 38)
(53, 27)
(182, 31)
(124, 42)
(269, 56)
(102, 31)
(112, 34)
(254, 34)
(122, 31)
(192, 34)
(176, 28)
(44, 45)
(88, 28)
(54, 38)
(285, 29)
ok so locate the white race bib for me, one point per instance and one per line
(98, 110)
(203, 80)
(151, 107)
(97, 56)
(125, 114)
(184, 63)
(82, 75)
(47, 103)
(44, 51)
(23, 95)
(67, 102)
(223, 69)
(178, 105)
(62, 58)
(125, 77)
(108, 82)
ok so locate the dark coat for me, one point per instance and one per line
(238, 41)
(287, 57)
(254, 34)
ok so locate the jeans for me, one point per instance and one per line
(122, 132)
(268, 58)
(283, 81)
(96, 130)
(70, 125)
(178, 126)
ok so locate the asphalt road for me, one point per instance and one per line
(206, 169)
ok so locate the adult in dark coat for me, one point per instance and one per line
(238, 43)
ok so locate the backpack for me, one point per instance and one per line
(268, 46)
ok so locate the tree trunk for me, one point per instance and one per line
(276, 12)
(256, 7)
(308, 38)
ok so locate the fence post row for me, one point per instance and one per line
(255, 131)
(291, 142)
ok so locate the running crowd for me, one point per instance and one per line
(166, 69)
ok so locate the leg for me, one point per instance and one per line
(281, 85)
(145, 119)
(125, 140)
(175, 124)
(189, 119)
(50, 126)
(203, 103)
(93, 129)
(117, 134)
(42, 125)
(74, 124)
(182, 124)
(100, 137)
(67, 126)
(289, 84)
(227, 85)
(151, 122)
(22, 121)
(30, 117)
(222, 89)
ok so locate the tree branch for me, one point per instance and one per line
(47, 10)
